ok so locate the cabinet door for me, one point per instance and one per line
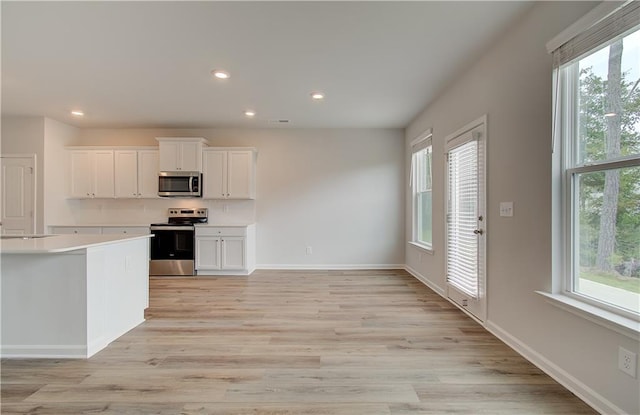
(232, 252)
(126, 173)
(240, 175)
(190, 157)
(215, 175)
(169, 156)
(81, 162)
(103, 174)
(148, 173)
(207, 253)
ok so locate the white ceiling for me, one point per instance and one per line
(147, 64)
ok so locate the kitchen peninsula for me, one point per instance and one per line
(69, 296)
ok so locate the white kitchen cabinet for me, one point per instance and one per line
(181, 153)
(92, 174)
(225, 250)
(126, 230)
(207, 253)
(84, 230)
(80, 230)
(229, 174)
(136, 173)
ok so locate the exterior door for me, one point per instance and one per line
(18, 195)
(466, 218)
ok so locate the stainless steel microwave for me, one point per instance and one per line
(180, 184)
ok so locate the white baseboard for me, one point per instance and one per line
(330, 267)
(588, 395)
(17, 351)
(425, 281)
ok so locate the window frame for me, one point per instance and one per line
(420, 143)
(567, 76)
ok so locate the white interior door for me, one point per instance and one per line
(466, 218)
(18, 197)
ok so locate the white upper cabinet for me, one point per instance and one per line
(181, 153)
(229, 174)
(136, 173)
(214, 174)
(148, 173)
(92, 173)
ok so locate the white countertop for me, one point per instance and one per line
(61, 243)
(225, 224)
(146, 225)
(103, 225)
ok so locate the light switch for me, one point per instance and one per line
(506, 209)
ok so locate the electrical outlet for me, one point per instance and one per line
(627, 362)
(309, 250)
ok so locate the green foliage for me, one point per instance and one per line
(592, 149)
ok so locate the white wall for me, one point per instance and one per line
(56, 136)
(511, 83)
(341, 192)
(25, 135)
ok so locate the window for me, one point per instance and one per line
(422, 190)
(598, 108)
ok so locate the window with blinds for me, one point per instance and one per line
(597, 111)
(421, 184)
(462, 218)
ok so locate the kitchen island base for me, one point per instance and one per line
(72, 304)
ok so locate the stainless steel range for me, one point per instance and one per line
(173, 246)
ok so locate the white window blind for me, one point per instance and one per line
(616, 24)
(462, 217)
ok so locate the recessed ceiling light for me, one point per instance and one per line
(250, 113)
(317, 95)
(220, 74)
(77, 113)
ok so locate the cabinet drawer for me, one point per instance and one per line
(221, 231)
(128, 230)
(79, 230)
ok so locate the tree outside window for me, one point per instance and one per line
(604, 174)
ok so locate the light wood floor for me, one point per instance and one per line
(346, 343)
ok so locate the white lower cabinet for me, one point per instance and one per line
(225, 250)
(126, 230)
(82, 230)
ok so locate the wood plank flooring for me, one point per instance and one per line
(284, 342)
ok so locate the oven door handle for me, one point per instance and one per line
(172, 228)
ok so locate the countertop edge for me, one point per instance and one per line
(63, 249)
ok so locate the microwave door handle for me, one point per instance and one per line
(191, 184)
